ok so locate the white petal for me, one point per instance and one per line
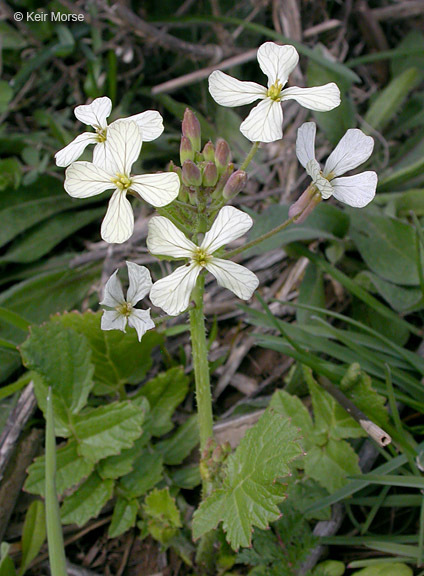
(95, 114)
(157, 189)
(277, 62)
(236, 278)
(357, 191)
(113, 295)
(150, 124)
(305, 143)
(141, 321)
(323, 185)
(100, 154)
(74, 149)
(165, 239)
(229, 225)
(352, 151)
(84, 179)
(264, 123)
(140, 282)
(228, 91)
(320, 98)
(113, 320)
(118, 224)
(173, 292)
(123, 146)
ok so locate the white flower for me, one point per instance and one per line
(85, 179)
(352, 151)
(265, 121)
(150, 124)
(172, 293)
(124, 310)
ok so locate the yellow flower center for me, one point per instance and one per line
(125, 309)
(274, 91)
(122, 181)
(101, 134)
(201, 257)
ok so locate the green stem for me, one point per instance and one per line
(201, 365)
(250, 156)
(261, 238)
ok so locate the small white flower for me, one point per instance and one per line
(172, 293)
(85, 179)
(352, 151)
(265, 121)
(124, 310)
(150, 124)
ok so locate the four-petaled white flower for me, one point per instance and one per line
(124, 310)
(85, 179)
(265, 121)
(172, 293)
(352, 151)
(150, 124)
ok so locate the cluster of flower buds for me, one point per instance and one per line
(209, 169)
(212, 461)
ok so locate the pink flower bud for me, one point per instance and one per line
(305, 204)
(209, 152)
(191, 174)
(222, 155)
(191, 129)
(235, 184)
(186, 150)
(210, 174)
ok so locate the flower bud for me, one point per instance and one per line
(305, 204)
(235, 184)
(222, 155)
(186, 150)
(173, 168)
(191, 174)
(191, 129)
(210, 175)
(222, 181)
(209, 152)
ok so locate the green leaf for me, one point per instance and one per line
(326, 222)
(10, 172)
(63, 359)
(164, 393)
(330, 568)
(386, 245)
(14, 319)
(122, 464)
(40, 239)
(388, 102)
(33, 535)
(148, 471)
(359, 389)
(71, 468)
(311, 292)
(292, 407)
(7, 567)
(403, 299)
(163, 515)
(124, 517)
(118, 357)
(106, 430)
(187, 477)
(331, 464)
(175, 449)
(250, 494)
(11, 39)
(87, 501)
(385, 569)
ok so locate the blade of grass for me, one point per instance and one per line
(53, 524)
(373, 512)
(354, 288)
(14, 319)
(421, 536)
(10, 389)
(393, 480)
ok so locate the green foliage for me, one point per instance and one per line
(161, 515)
(87, 501)
(251, 492)
(329, 459)
(386, 569)
(33, 534)
(7, 567)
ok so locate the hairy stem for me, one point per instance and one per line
(261, 238)
(201, 365)
(250, 156)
